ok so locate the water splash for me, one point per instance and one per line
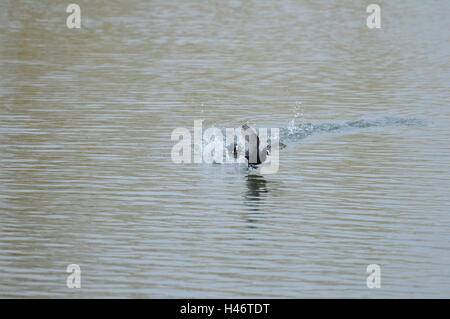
(297, 113)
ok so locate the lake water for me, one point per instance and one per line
(86, 176)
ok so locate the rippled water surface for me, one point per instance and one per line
(86, 176)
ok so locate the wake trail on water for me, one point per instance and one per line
(297, 132)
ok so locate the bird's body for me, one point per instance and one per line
(254, 154)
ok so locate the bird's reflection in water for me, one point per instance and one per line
(255, 195)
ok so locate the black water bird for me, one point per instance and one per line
(254, 155)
